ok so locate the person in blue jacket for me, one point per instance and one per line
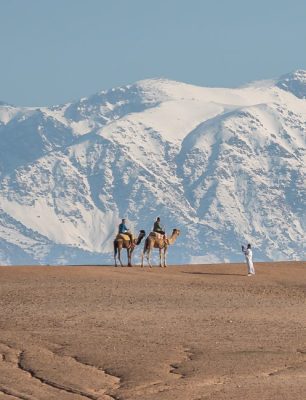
(122, 227)
(124, 230)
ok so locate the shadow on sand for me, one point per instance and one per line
(212, 273)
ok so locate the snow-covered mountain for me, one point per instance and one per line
(226, 166)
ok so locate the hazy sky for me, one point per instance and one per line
(55, 51)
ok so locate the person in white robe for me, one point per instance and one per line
(248, 257)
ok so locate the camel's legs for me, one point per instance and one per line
(160, 258)
(129, 254)
(119, 256)
(115, 257)
(144, 252)
(149, 256)
(165, 256)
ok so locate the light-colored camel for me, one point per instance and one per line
(154, 241)
(120, 243)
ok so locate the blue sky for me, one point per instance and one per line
(55, 51)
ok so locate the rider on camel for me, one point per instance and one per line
(125, 231)
(157, 227)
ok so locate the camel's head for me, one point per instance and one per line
(141, 235)
(176, 232)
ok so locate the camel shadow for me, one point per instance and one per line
(212, 273)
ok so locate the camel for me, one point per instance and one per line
(120, 243)
(157, 241)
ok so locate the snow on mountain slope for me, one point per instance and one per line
(252, 184)
(295, 83)
(224, 165)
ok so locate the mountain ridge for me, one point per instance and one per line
(223, 165)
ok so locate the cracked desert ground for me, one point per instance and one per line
(184, 332)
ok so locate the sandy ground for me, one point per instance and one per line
(185, 333)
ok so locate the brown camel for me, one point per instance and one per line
(157, 241)
(120, 243)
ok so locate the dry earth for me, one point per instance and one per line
(184, 333)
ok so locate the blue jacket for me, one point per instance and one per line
(122, 228)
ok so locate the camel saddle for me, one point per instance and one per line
(123, 236)
(157, 235)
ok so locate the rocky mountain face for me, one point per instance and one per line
(225, 166)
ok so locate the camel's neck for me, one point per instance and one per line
(172, 239)
(138, 240)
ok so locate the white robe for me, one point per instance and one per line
(248, 256)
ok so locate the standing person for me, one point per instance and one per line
(125, 231)
(248, 256)
(157, 227)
